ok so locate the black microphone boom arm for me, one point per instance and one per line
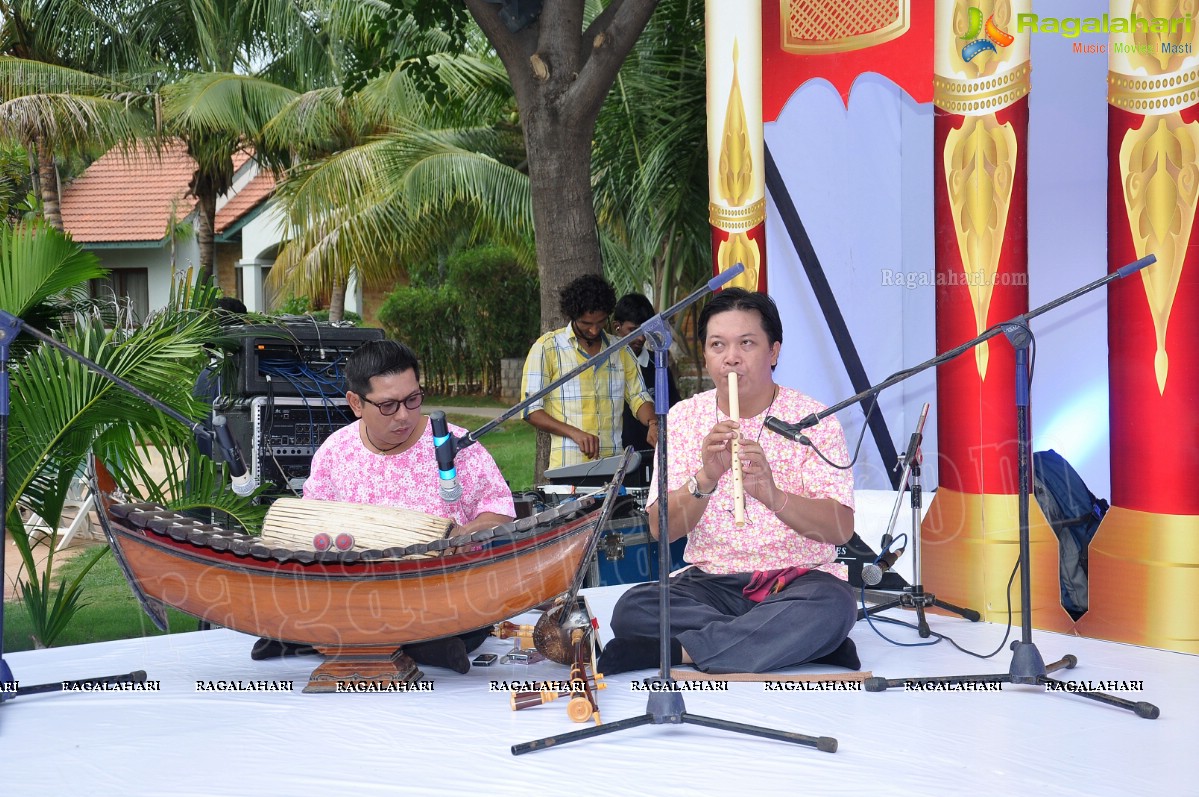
(792, 430)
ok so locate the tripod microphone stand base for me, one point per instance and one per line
(914, 597)
(919, 600)
(665, 707)
(100, 684)
(1027, 667)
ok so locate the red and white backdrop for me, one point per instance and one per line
(949, 170)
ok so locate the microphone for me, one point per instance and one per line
(777, 426)
(873, 572)
(791, 431)
(444, 445)
(243, 485)
(718, 282)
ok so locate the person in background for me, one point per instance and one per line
(631, 311)
(584, 416)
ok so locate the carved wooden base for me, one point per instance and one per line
(370, 669)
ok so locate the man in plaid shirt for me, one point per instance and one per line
(584, 416)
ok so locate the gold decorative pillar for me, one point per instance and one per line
(980, 129)
(736, 177)
(1144, 560)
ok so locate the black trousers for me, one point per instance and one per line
(724, 632)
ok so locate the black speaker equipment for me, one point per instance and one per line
(296, 359)
(279, 434)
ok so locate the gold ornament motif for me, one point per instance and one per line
(1147, 50)
(1155, 95)
(740, 249)
(737, 219)
(736, 166)
(983, 96)
(1161, 190)
(979, 162)
(736, 184)
(814, 27)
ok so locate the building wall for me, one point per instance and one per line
(156, 261)
(262, 237)
(227, 255)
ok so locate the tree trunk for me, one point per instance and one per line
(561, 71)
(205, 224)
(563, 209)
(541, 459)
(48, 183)
(337, 301)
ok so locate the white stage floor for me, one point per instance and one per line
(456, 739)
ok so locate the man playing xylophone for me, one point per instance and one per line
(387, 458)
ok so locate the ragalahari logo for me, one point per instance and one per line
(983, 36)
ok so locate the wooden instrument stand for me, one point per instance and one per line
(343, 668)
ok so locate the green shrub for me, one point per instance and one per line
(504, 312)
(429, 320)
(302, 305)
(463, 319)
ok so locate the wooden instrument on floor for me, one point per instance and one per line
(510, 630)
(738, 476)
(297, 523)
(582, 705)
(522, 700)
(581, 686)
(357, 607)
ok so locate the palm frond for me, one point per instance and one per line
(21, 77)
(72, 120)
(377, 205)
(222, 103)
(38, 262)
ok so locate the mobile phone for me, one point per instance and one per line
(484, 660)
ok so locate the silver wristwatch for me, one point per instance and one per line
(693, 488)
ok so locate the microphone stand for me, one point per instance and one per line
(1027, 665)
(915, 597)
(665, 704)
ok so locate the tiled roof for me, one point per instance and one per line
(128, 197)
(258, 189)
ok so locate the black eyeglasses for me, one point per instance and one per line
(391, 407)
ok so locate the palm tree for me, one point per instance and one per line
(389, 176)
(55, 93)
(62, 412)
(48, 108)
(224, 72)
(216, 114)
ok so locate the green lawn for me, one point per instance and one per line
(113, 613)
(513, 446)
(432, 400)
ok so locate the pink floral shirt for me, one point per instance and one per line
(716, 545)
(343, 469)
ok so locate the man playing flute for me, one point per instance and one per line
(768, 594)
